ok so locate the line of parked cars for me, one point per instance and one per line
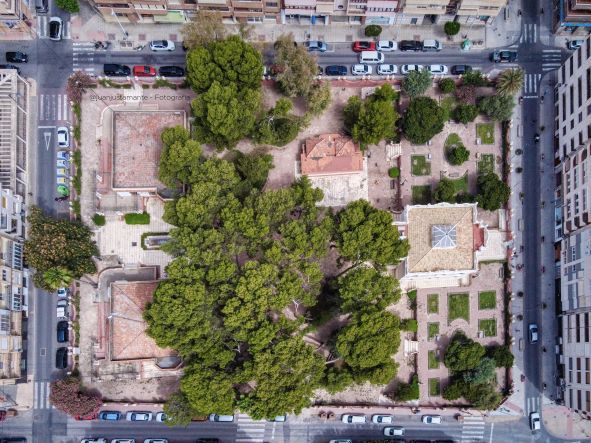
(118, 70)
(63, 328)
(147, 440)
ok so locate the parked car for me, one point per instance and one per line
(61, 358)
(62, 331)
(410, 45)
(62, 292)
(437, 69)
(361, 69)
(393, 431)
(63, 155)
(387, 46)
(382, 419)
(13, 440)
(155, 440)
(431, 419)
(17, 57)
(55, 29)
(138, 416)
(62, 164)
(110, 415)
(91, 416)
(94, 440)
(116, 70)
(65, 181)
(162, 45)
(359, 46)
(144, 71)
(9, 66)
(123, 440)
(387, 69)
(534, 421)
(408, 68)
(63, 137)
(354, 419)
(315, 45)
(504, 56)
(533, 333)
(460, 69)
(161, 417)
(335, 70)
(221, 418)
(62, 172)
(171, 71)
(341, 441)
(62, 308)
(207, 440)
(574, 44)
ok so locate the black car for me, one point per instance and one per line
(171, 71)
(460, 69)
(41, 6)
(16, 57)
(55, 28)
(335, 70)
(13, 440)
(62, 331)
(410, 45)
(207, 440)
(116, 70)
(61, 358)
(503, 56)
(18, 71)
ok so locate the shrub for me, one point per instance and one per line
(501, 355)
(447, 85)
(497, 107)
(444, 191)
(393, 172)
(458, 155)
(77, 134)
(451, 28)
(67, 396)
(99, 219)
(70, 6)
(465, 113)
(133, 218)
(410, 325)
(373, 30)
(474, 78)
(408, 391)
(412, 299)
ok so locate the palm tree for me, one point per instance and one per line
(58, 277)
(510, 81)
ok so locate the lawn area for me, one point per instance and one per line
(488, 326)
(458, 306)
(486, 133)
(420, 165)
(461, 184)
(421, 195)
(434, 387)
(486, 163)
(433, 360)
(432, 303)
(448, 104)
(432, 330)
(487, 300)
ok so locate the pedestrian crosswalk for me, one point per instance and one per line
(532, 405)
(83, 56)
(54, 107)
(249, 430)
(529, 33)
(472, 430)
(41, 395)
(43, 28)
(551, 59)
(531, 83)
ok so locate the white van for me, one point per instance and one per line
(224, 418)
(432, 45)
(371, 57)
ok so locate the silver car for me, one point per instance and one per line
(387, 69)
(162, 45)
(408, 68)
(361, 69)
(138, 416)
(63, 137)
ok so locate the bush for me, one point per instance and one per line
(444, 191)
(133, 218)
(465, 113)
(410, 325)
(77, 134)
(67, 396)
(70, 6)
(99, 219)
(501, 355)
(408, 391)
(394, 172)
(373, 30)
(451, 28)
(447, 85)
(412, 299)
(458, 155)
(474, 78)
(337, 380)
(497, 107)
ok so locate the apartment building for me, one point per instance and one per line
(572, 16)
(16, 18)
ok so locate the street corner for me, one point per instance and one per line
(561, 422)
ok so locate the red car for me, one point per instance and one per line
(144, 71)
(364, 46)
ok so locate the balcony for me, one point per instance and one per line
(248, 12)
(247, 4)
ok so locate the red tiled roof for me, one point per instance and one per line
(330, 154)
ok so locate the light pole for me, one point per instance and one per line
(125, 33)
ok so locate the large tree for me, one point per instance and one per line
(58, 244)
(297, 68)
(68, 396)
(445, 191)
(423, 119)
(493, 193)
(58, 277)
(366, 287)
(510, 81)
(497, 107)
(463, 353)
(416, 83)
(365, 233)
(180, 156)
(204, 27)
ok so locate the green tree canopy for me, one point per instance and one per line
(482, 373)
(297, 68)
(253, 170)
(366, 287)
(416, 83)
(58, 277)
(451, 28)
(58, 244)
(180, 156)
(463, 353)
(465, 113)
(365, 233)
(445, 191)
(423, 119)
(510, 81)
(408, 391)
(70, 6)
(204, 27)
(458, 155)
(228, 62)
(497, 107)
(319, 98)
(493, 193)
(178, 410)
(474, 78)
(447, 85)
(224, 114)
(501, 355)
(208, 390)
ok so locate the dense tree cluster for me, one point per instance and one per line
(59, 250)
(493, 193)
(423, 119)
(68, 396)
(278, 127)
(247, 270)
